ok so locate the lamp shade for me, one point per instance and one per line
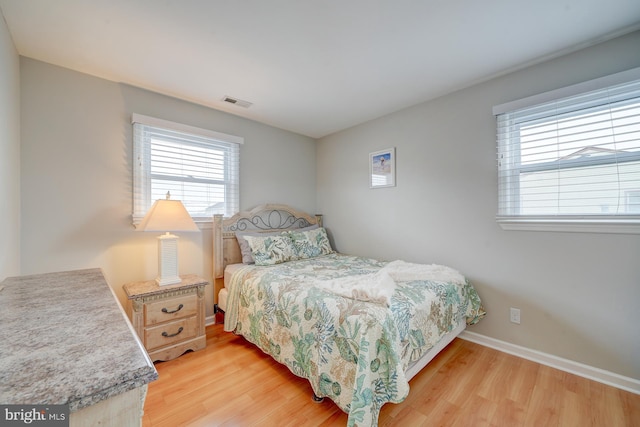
(167, 215)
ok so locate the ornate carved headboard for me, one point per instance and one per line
(264, 218)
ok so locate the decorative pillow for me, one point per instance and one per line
(245, 249)
(270, 250)
(311, 227)
(311, 243)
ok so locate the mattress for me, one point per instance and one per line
(224, 294)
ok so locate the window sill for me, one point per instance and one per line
(204, 225)
(625, 225)
(201, 223)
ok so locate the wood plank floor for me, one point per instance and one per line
(232, 383)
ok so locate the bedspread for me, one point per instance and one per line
(353, 352)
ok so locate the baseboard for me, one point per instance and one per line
(210, 320)
(610, 378)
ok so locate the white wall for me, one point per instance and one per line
(578, 292)
(9, 155)
(77, 174)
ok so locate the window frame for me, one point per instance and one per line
(143, 176)
(618, 223)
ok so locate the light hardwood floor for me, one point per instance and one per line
(232, 383)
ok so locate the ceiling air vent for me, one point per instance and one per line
(238, 102)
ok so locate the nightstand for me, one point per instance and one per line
(169, 319)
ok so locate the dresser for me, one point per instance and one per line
(65, 340)
(169, 319)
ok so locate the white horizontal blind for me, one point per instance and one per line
(573, 158)
(198, 167)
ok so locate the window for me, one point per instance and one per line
(572, 160)
(198, 167)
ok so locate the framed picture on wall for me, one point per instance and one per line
(382, 168)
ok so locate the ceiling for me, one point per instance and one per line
(311, 67)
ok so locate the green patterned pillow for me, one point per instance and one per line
(270, 250)
(311, 243)
(245, 249)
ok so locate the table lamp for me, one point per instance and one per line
(167, 215)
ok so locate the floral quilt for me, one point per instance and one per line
(353, 352)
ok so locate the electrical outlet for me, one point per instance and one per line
(514, 315)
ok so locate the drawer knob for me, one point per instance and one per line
(166, 335)
(165, 310)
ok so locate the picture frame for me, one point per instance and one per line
(382, 168)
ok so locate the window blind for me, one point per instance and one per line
(572, 158)
(197, 166)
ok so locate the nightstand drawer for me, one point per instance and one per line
(169, 333)
(170, 309)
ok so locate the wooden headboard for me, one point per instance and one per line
(264, 218)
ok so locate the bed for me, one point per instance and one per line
(356, 328)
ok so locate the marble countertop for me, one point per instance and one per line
(64, 339)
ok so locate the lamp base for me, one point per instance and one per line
(168, 280)
(168, 260)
